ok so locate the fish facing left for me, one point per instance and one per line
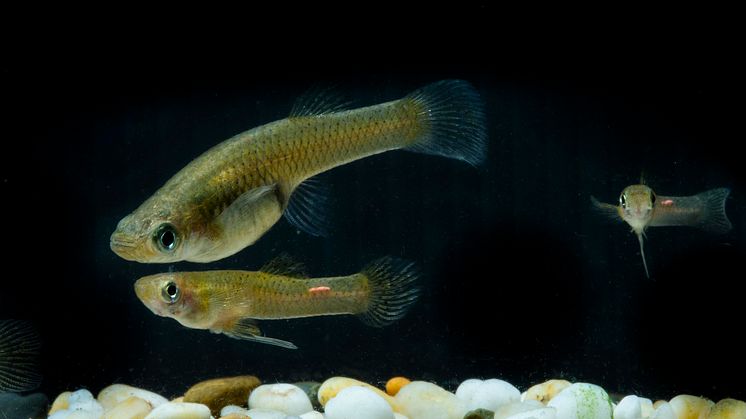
(230, 302)
(19, 356)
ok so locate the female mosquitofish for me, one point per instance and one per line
(229, 302)
(641, 208)
(19, 356)
(227, 198)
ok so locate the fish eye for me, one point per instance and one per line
(652, 198)
(166, 237)
(171, 292)
(623, 200)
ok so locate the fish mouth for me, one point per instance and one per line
(123, 246)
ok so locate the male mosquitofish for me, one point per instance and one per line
(227, 198)
(641, 208)
(229, 302)
(19, 356)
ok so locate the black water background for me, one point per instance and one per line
(520, 280)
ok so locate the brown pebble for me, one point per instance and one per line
(220, 392)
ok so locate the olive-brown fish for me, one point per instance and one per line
(231, 195)
(640, 207)
(229, 302)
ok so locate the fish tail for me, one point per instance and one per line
(454, 116)
(19, 353)
(713, 216)
(392, 290)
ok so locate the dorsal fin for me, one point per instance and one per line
(286, 266)
(319, 101)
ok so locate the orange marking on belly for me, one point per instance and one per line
(318, 290)
(667, 202)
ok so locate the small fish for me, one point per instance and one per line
(227, 198)
(19, 353)
(641, 208)
(229, 302)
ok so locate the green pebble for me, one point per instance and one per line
(311, 388)
(480, 414)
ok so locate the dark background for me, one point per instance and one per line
(521, 281)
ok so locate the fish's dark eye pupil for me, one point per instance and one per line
(171, 290)
(168, 239)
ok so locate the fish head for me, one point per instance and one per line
(173, 295)
(637, 203)
(149, 235)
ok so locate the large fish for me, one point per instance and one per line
(232, 194)
(229, 302)
(19, 356)
(641, 208)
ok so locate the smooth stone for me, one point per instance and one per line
(515, 408)
(540, 413)
(399, 416)
(545, 391)
(334, 385)
(663, 411)
(236, 416)
(117, 393)
(231, 408)
(220, 392)
(287, 398)
(690, 407)
(423, 400)
(728, 409)
(131, 408)
(582, 401)
(479, 414)
(172, 410)
(358, 403)
(266, 414)
(62, 402)
(628, 408)
(393, 385)
(487, 394)
(75, 414)
(312, 415)
(311, 388)
(16, 406)
(179, 399)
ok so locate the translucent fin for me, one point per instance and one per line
(319, 101)
(608, 211)
(286, 266)
(705, 210)
(392, 290)
(642, 253)
(455, 115)
(308, 207)
(245, 204)
(19, 353)
(246, 329)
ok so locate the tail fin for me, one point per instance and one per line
(19, 352)
(392, 290)
(456, 119)
(713, 210)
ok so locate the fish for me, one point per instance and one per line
(230, 196)
(20, 346)
(231, 302)
(640, 207)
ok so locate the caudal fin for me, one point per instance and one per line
(392, 290)
(19, 353)
(455, 116)
(713, 216)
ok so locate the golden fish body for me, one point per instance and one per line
(231, 195)
(640, 207)
(228, 301)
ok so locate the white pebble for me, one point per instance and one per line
(172, 410)
(515, 408)
(81, 405)
(133, 407)
(357, 403)
(664, 411)
(285, 398)
(266, 414)
(232, 408)
(628, 408)
(582, 400)
(540, 413)
(117, 393)
(423, 400)
(312, 415)
(399, 416)
(488, 394)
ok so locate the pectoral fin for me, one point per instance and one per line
(608, 211)
(246, 329)
(246, 204)
(308, 207)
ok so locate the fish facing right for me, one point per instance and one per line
(230, 302)
(640, 207)
(227, 198)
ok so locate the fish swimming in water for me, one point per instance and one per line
(19, 353)
(227, 198)
(641, 208)
(230, 302)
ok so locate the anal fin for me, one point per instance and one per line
(246, 329)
